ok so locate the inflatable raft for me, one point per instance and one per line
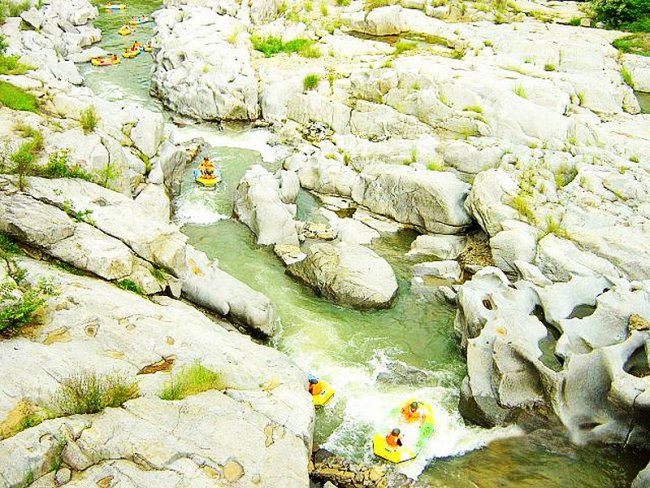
(323, 397)
(115, 6)
(128, 53)
(207, 174)
(413, 434)
(139, 20)
(125, 30)
(105, 61)
(147, 47)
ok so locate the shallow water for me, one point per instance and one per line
(374, 360)
(644, 101)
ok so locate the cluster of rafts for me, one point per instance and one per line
(127, 29)
(402, 434)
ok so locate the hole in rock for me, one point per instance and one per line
(637, 364)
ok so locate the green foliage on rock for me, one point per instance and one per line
(274, 45)
(129, 285)
(89, 392)
(20, 306)
(16, 98)
(634, 44)
(58, 167)
(191, 380)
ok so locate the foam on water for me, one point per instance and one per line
(364, 405)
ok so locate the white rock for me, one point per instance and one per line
(438, 246)
(348, 274)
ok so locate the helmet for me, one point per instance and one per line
(414, 405)
(313, 381)
(395, 431)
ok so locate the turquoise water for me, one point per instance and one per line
(373, 359)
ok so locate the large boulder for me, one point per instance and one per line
(348, 274)
(206, 285)
(258, 204)
(430, 200)
(197, 72)
(118, 216)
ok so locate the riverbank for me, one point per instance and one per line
(110, 375)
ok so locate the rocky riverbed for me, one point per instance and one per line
(508, 140)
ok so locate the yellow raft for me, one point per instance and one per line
(208, 181)
(130, 54)
(125, 30)
(147, 47)
(104, 61)
(413, 436)
(115, 6)
(323, 397)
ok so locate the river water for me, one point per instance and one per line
(372, 359)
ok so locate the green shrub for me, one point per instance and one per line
(323, 9)
(9, 65)
(575, 21)
(108, 173)
(129, 285)
(20, 307)
(342, 3)
(3, 43)
(88, 119)
(16, 98)
(191, 380)
(620, 13)
(58, 167)
(89, 392)
(9, 247)
(274, 45)
(549, 67)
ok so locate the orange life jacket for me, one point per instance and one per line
(391, 440)
(315, 389)
(409, 415)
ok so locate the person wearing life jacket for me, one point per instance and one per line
(114, 57)
(135, 46)
(393, 438)
(410, 413)
(315, 386)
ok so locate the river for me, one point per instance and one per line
(372, 359)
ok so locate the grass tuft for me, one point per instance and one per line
(88, 119)
(274, 45)
(311, 82)
(191, 380)
(89, 392)
(129, 285)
